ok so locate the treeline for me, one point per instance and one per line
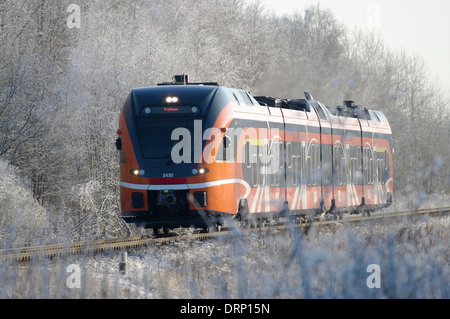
(62, 89)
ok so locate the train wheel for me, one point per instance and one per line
(243, 210)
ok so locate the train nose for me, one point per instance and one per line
(166, 198)
(170, 200)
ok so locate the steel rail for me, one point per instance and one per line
(50, 251)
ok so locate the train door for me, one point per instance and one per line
(350, 175)
(255, 137)
(294, 156)
(366, 161)
(376, 160)
(326, 153)
(274, 170)
(318, 126)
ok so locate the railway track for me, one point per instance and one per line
(50, 251)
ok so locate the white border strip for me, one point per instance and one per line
(188, 186)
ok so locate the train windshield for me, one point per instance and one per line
(155, 135)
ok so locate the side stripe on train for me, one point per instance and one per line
(188, 186)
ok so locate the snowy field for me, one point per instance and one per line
(413, 262)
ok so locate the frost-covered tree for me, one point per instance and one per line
(33, 38)
(22, 219)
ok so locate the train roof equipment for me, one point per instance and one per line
(184, 80)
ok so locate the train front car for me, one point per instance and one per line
(172, 141)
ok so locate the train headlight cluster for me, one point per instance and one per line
(172, 99)
(137, 172)
(200, 171)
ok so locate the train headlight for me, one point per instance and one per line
(200, 171)
(172, 99)
(137, 172)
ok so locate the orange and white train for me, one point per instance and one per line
(194, 154)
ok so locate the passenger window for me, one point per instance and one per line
(247, 155)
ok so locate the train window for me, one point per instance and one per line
(255, 174)
(342, 170)
(308, 170)
(355, 179)
(366, 165)
(300, 170)
(386, 166)
(317, 159)
(325, 165)
(338, 165)
(386, 160)
(358, 158)
(315, 163)
(377, 172)
(351, 171)
(281, 154)
(289, 155)
(381, 172)
(295, 173)
(365, 158)
(342, 166)
(256, 170)
(247, 155)
(155, 136)
(334, 165)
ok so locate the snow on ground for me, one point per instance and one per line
(331, 262)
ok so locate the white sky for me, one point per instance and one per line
(417, 26)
